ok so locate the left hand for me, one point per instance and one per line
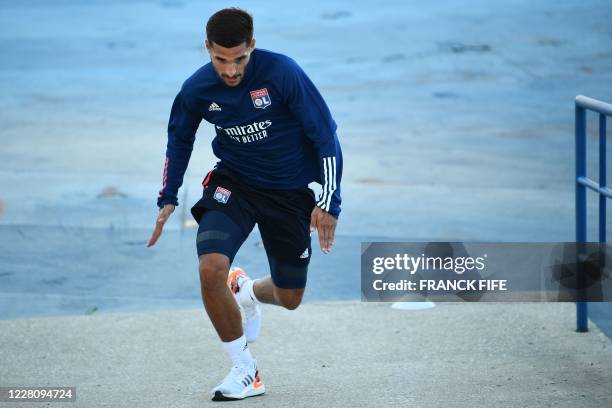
(325, 224)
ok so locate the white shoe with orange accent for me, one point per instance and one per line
(240, 383)
(250, 310)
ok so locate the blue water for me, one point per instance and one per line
(456, 123)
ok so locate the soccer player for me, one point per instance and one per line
(274, 135)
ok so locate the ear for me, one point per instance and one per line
(252, 46)
(208, 46)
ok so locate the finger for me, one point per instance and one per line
(163, 216)
(323, 237)
(313, 220)
(327, 229)
(154, 238)
(332, 235)
(156, 233)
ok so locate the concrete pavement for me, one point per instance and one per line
(344, 354)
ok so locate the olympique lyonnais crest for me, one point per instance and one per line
(222, 195)
(261, 98)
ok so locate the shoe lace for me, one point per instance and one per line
(238, 373)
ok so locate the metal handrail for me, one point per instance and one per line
(594, 105)
(584, 103)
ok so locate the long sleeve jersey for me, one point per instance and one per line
(274, 129)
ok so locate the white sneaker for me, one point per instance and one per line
(251, 313)
(241, 382)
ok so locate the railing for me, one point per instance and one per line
(583, 104)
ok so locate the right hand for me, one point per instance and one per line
(164, 214)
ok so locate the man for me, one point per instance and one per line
(274, 135)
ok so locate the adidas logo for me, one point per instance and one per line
(214, 107)
(304, 254)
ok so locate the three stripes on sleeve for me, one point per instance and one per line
(329, 182)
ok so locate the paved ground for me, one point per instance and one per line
(335, 355)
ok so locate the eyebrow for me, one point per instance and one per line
(240, 58)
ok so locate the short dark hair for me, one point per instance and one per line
(230, 27)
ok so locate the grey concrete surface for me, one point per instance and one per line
(332, 355)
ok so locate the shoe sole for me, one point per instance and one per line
(252, 392)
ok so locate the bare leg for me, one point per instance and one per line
(267, 292)
(219, 301)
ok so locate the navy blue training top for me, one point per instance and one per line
(273, 129)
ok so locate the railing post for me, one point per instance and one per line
(602, 177)
(581, 307)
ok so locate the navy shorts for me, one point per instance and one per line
(230, 208)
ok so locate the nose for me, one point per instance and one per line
(231, 70)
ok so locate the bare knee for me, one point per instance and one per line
(289, 298)
(293, 303)
(213, 271)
